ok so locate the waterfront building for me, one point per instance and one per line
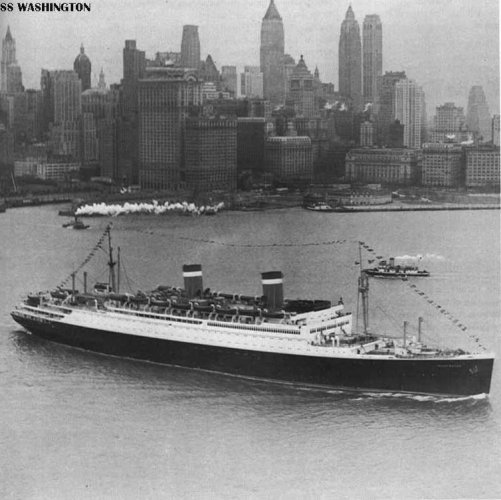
(372, 56)
(190, 47)
(301, 91)
(165, 96)
(210, 153)
(350, 60)
(10, 73)
(478, 118)
(366, 134)
(251, 134)
(272, 55)
(482, 166)
(89, 151)
(289, 159)
(384, 105)
(442, 165)
(82, 67)
(409, 110)
(382, 165)
(495, 130)
(252, 82)
(52, 171)
(229, 80)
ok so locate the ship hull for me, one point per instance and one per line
(444, 376)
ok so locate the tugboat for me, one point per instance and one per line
(302, 341)
(320, 206)
(76, 224)
(391, 270)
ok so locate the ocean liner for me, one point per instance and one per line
(305, 342)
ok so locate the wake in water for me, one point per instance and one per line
(154, 208)
(423, 397)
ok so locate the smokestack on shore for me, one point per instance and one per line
(193, 285)
(273, 289)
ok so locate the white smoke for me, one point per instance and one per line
(154, 208)
(417, 257)
(368, 106)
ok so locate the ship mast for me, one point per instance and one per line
(363, 291)
(111, 264)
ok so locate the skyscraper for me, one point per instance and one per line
(478, 117)
(229, 79)
(134, 65)
(190, 47)
(384, 104)
(409, 109)
(251, 82)
(372, 55)
(82, 67)
(272, 55)
(350, 60)
(164, 98)
(66, 89)
(10, 72)
(301, 91)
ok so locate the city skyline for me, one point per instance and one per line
(445, 58)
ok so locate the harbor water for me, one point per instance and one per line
(77, 424)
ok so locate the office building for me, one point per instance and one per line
(82, 67)
(301, 91)
(252, 82)
(478, 118)
(10, 72)
(229, 80)
(190, 47)
(251, 134)
(210, 153)
(372, 36)
(289, 159)
(442, 165)
(382, 165)
(165, 96)
(350, 60)
(482, 167)
(409, 110)
(272, 55)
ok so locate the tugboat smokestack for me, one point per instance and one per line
(193, 285)
(273, 289)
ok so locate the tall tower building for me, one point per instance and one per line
(66, 89)
(478, 117)
(301, 91)
(190, 47)
(251, 82)
(350, 60)
(10, 72)
(409, 110)
(272, 55)
(165, 96)
(448, 124)
(82, 67)
(134, 65)
(384, 104)
(372, 55)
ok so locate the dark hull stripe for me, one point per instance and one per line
(463, 377)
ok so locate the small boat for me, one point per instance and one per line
(76, 224)
(320, 206)
(391, 270)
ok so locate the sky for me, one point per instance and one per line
(446, 46)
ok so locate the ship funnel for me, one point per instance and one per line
(392, 261)
(193, 285)
(273, 289)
